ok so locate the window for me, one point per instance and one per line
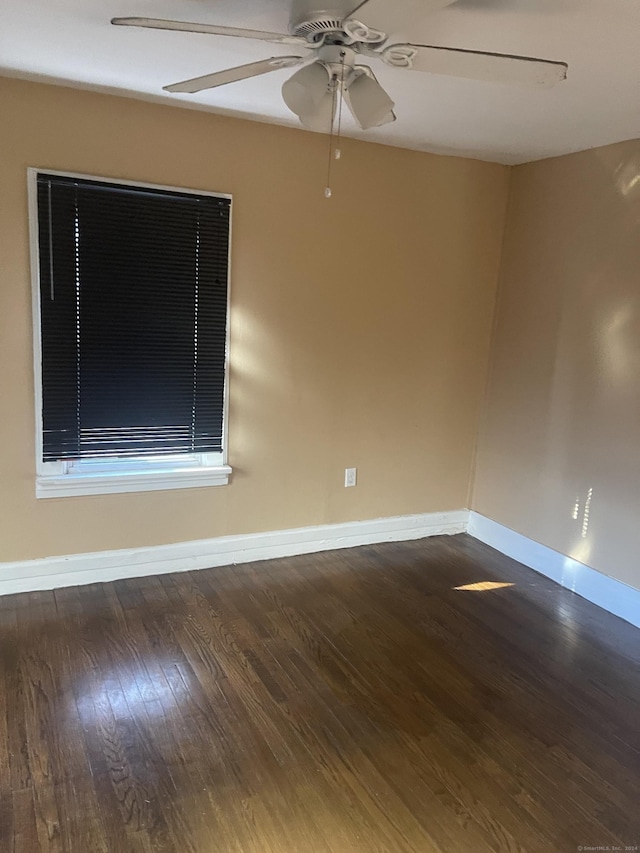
(130, 304)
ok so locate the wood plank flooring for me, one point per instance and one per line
(333, 703)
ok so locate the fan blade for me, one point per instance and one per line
(231, 75)
(187, 27)
(393, 17)
(476, 64)
(369, 103)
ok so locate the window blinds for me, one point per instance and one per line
(133, 301)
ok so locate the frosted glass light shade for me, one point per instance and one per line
(369, 103)
(306, 89)
(321, 117)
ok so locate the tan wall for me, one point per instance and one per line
(360, 325)
(562, 419)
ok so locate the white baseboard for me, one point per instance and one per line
(606, 592)
(99, 567)
(102, 566)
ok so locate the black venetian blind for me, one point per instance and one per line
(133, 299)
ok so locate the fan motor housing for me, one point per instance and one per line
(312, 23)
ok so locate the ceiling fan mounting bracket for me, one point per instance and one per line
(360, 33)
(399, 56)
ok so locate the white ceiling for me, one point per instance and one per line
(72, 41)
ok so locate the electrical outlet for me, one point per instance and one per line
(349, 477)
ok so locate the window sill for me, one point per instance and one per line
(135, 481)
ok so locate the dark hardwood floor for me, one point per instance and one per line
(347, 701)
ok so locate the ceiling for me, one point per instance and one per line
(72, 41)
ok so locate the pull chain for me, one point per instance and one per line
(338, 152)
(335, 154)
(334, 87)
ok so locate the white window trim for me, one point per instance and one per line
(112, 476)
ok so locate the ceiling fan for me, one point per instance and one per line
(335, 40)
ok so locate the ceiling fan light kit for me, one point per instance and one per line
(369, 103)
(320, 117)
(311, 93)
(334, 41)
(305, 91)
